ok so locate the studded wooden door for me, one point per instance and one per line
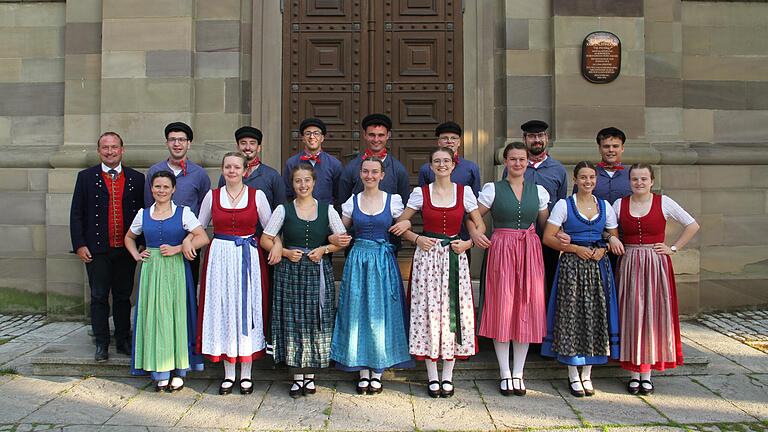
(343, 59)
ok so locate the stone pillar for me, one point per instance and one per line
(266, 101)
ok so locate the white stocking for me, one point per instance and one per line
(245, 373)
(519, 352)
(432, 374)
(502, 356)
(229, 373)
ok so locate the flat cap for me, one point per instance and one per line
(534, 126)
(377, 120)
(448, 127)
(178, 127)
(248, 132)
(313, 122)
(611, 132)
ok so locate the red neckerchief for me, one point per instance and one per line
(533, 160)
(311, 157)
(615, 167)
(253, 163)
(381, 155)
(456, 159)
(182, 164)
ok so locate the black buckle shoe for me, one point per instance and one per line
(246, 390)
(226, 390)
(375, 390)
(645, 391)
(518, 390)
(576, 392)
(361, 390)
(633, 389)
(433, 393)
(446, 393)
(307, 390)
(102, 353)
(298, 391)
(505, 391)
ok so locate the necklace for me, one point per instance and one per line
(233, 199)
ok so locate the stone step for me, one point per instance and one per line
(73, 356)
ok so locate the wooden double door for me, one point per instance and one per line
(344, 59)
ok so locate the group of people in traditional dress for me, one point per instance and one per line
(267, 284)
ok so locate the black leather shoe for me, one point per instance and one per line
(646, 387)
(375, 390)
(633, 389)
(248, 389)
(228, 389)
(123, 347)
(506, 391)
(102, 353)
(363, 389)
(446, 393)
(433, 393)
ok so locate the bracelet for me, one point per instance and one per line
(416, 239)
(610, 236)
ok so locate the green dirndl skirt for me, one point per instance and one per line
(302, 324)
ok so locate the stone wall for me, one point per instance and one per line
(31, 123)
(692, 97)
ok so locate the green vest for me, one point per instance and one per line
(298, 233)
(508, 212)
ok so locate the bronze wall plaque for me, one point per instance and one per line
(601, 57)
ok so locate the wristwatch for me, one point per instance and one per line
(673, 248)
(327, 251)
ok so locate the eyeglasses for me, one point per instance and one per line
(310, 134)
(442, 161)
(540, 135)
(178, 140)
(449, 139)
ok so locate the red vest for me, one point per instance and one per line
(648, 229)
(239, 222)
(441, 220)
(115, 210)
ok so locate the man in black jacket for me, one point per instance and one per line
(106, 199)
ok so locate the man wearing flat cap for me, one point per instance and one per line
(465, 172)
(327, 168)
(377, 132)
(257, 174)
(547, 172)
(192, 181)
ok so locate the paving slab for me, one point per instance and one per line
(279, 411)
(684, 401)
(464, 411)
(234, 410)
(24, 395)
(6, 378)
(103, 428)
(750, 358)
(646, 429)
(149, 408)
(93, 401)
(390, 410)
(748, 393)
(51, 332)
(12, 350)
(541, 407)
(612, 405)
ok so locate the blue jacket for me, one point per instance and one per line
(88, 224)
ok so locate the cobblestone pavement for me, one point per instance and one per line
(749, 327)
(730, 394)
(12, 326)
